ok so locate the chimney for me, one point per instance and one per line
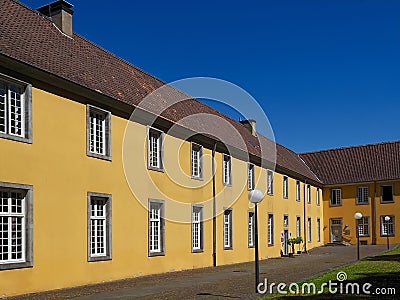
(61, 14)
(250, 124)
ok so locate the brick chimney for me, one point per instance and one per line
(250, 125)
(61, 14)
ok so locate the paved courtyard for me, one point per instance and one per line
(225, 282)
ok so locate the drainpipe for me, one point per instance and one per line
(214, 209)
(305, 218)
(373, 213)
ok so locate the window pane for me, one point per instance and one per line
(3, 113)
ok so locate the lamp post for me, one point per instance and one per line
(387, 219)
(358, 216)
(255, 197)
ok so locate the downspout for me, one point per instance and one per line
(214, 209)
(373, 213)
(305, 218)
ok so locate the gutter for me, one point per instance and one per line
(214, 255)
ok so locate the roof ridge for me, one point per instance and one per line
(350, 147)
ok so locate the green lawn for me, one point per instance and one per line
(380, 274)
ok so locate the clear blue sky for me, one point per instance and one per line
(327, 73)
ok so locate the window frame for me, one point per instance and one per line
(161, 235)
(392, 222)
(250, 172)
(318, 192)
(199, 149)
(270, 185)
(270, 229)
(298, 190)
(362, 224)
(318, 230)
(160, 152)
(201, 228)
(331, 197)
(285, 187)
(107, 155)
(27, 261)
(26, 104)
(250, 228)
(224, 165)
(228, 212)
(309, 194)
(358, 202)
(298, 226)
(285, 220)
(108, 229)
(392, 187)
(309, 230)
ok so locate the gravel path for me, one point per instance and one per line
(225, 282)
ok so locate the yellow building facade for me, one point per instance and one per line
(89, 195)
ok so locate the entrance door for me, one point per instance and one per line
(336, 230)
(285, 242)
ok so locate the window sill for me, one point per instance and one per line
(334, 205)
(197, 178)
(227, 184)
(390, 235)
(251, 246)
(155, 169)
(228, 248)
(362, 203)
(387, 202)
(153, 254)
(99, 258)
(16, 138)
(197, 250)
(16, 265)
(270, 245)
(99, 156)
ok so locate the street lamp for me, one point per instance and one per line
(255, 197)
(358, 216)
(387, 219)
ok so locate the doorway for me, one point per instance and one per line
(285, 242)
(336, 230)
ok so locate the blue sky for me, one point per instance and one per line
(326, 73)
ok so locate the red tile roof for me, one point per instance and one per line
(367, 163)
(31, 38)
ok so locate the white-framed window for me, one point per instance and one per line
(197, 161)
(318, 196)
(250, 228)
(285, 220)
(98, 132)
(15, 109)
(387, 227)
(285, 187)
(336, 197)
(363, 226)
(297, 190)
(318, 229)
(15, 226)
(386, 193)
(298, 226)
(99, 226)
(270, 182)
(156, 228)
(227, 169)
(270, 226)
(197, 228)
(309, 229)
(308, 193)
(155, 149)
(228, 229)
(362, 195)
(250, 176)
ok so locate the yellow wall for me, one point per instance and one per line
(349, 207)
(61, 173)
